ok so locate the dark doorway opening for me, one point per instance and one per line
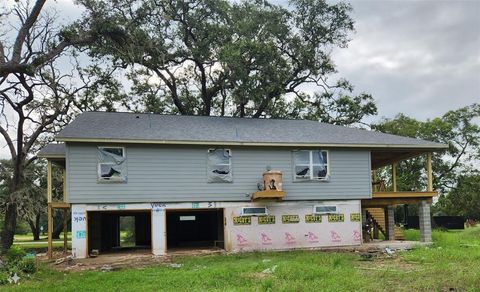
(111, 231)
(195, 228)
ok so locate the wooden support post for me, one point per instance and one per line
(375, 188)
(376, 234)
(50, 230)
(49, 182)
(64, 185)
(65, 231)
(49, 210)
(429, 173)
(394, 176)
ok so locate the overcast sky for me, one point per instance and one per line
(421, 58)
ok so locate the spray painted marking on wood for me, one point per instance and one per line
(158, 207)
(81, 234)
(77, 219)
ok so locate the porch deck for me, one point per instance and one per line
(385, 198)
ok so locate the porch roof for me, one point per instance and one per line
(384, 157)
(53, 151)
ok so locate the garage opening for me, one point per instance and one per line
(112, 231)
(195, 229)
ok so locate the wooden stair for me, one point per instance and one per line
(378, 216)
(398, 233)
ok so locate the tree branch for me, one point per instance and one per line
(22, 33)
(2, 54)
(4, 133)
(173, 89)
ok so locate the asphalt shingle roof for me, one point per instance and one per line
(53, 150)
(134, 127)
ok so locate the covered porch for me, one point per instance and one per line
(378, 212)
(56, 167)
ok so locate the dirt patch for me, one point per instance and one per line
(383, 263)
(119, 260)
(257, 276)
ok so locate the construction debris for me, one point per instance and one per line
(367, 256)
(106, 268)
(270, 270)
(175, 266)
(389, 251)
(67, 259)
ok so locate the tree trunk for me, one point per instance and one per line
(9, 226)
(58, 225)
(35, 227)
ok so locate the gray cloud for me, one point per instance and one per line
(421, 58)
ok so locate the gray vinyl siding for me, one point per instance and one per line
(178, 174)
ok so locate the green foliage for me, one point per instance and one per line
(28, 265)
(3, 278)
(246, 58)
(16, 262)
(127, 231)
(22, 228)
(463, 200)
(31, 195)
(15, 254)
(459, 129)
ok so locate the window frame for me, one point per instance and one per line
(326, 212)
(254, 214)
(310, 165)
(99, 172)
(230, 168)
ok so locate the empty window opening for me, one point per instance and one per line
(112, 164)
(127, 231)
(115, 231)
(219, 165)
(195, 229)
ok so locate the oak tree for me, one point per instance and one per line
(245, 59)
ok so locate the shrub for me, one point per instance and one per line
(28, 265)
(15, 254)
(22, 228)
(3, 278)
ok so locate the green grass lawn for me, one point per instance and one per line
(26, 242)
(452, 262)
(20, 238)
